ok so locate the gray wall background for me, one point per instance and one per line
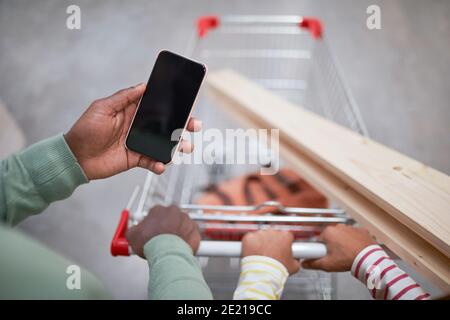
(399, 76)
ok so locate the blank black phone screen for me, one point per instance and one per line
(165, 105)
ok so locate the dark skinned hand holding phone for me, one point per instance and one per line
(95, 148)
(97, 139)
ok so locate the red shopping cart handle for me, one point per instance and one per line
(300, 250)
(314, 25)
(204, 23)
(119, 244)
(209, 22)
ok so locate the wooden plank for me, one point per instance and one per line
(414, 194)
(414, 250)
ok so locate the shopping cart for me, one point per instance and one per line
(290, 56)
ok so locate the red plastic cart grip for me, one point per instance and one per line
(205, 23)
(119, 243)
(314, 25)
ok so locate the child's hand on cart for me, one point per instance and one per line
(344, 243)
(97, 139)
(354, 249)
(274, 244)
(164, 220)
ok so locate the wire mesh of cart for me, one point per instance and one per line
(288, 55)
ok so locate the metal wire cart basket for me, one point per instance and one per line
(290, 56)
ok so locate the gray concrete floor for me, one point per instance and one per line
(399, 76)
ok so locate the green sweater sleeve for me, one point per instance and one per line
(33, 178)
(174, 271)
(29, 270)
(29, 181)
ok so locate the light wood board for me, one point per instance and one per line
(416, 195)
(413, 249)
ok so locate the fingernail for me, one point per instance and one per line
(198, 125)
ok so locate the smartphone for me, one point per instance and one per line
(165, 106)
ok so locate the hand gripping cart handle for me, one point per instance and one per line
(219, 219)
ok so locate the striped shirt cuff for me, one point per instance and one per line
(261, 278)
(384, 279)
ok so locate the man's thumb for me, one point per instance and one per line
(140, 86)
(123, 98)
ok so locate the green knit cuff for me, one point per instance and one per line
(165, 244)
(53, 168)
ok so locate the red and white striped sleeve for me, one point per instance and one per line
(385, 280)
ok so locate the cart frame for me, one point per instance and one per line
(328, 89)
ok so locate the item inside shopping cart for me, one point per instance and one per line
(285, 188)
